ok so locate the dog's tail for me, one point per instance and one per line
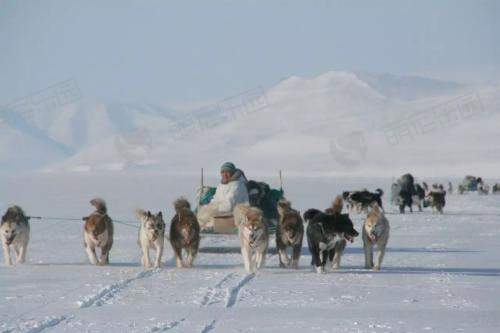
(283, 206)
(100, 205)
(337, 205)
(311, 213)
(142, 214)
(379, 191)
(181, 204)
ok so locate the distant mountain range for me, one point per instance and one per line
(335, 123)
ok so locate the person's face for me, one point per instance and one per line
(225, 175)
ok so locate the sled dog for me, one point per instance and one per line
(15, 232)
(435, 199)
(326, 236)
(184, 233)
(151, 236)
(289, 233)
(375, 233)
(254, 238)
(98, 232)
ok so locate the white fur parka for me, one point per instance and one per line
(228, 195)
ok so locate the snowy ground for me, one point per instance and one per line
(441, 273)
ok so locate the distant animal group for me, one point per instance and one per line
(406, 193)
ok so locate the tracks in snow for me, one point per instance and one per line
(214, 294)
(167, 326)
(217, 292)
(110, 291)
(226, 291)
(98, 299)
(38, 326)
(233, 293)
(209, 327)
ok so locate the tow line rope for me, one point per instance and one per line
(131, 224)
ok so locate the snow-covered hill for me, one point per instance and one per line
(335, 123)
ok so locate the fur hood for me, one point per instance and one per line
(236, 176)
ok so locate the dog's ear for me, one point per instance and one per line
(159, 214)
(149, 213)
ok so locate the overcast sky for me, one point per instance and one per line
(170, 51)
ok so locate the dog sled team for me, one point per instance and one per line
(327, 231)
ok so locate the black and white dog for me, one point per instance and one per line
(404, 190)
(259, 195)
(326, 236)
(418, 196)
(362, 200)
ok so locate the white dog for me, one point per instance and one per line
(15, 231)
(375, 233)
(253, 236)
(151, 236)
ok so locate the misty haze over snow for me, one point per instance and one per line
(328, 87)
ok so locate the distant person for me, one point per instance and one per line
(232, 190)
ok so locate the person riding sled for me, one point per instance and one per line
(232, 190)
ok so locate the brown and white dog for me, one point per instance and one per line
(375, 233)
(15, 232)
(289, 233)
(184, 233)
(98, 232)
(151, 236)
(253, 235)
(435, 198)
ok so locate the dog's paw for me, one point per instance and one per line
(376, 268)
(320, 269)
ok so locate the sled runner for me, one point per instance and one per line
(261, 196)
